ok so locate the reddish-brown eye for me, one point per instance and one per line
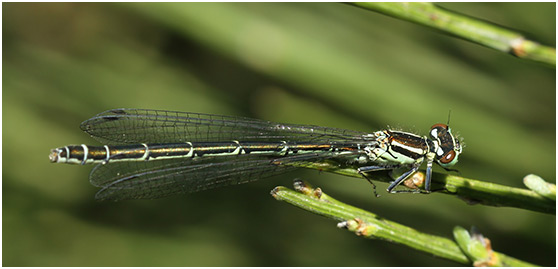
(441, 125)
(448, 157)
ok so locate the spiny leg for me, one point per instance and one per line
(427, 182)
(370, 180)
(403, 177)
(428, 176)
(365, 169)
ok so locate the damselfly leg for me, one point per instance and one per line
(398, 180)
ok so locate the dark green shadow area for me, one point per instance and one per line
(310, 63)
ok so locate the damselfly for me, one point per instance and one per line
(155, 153)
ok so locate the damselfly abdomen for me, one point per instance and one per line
(155, 153)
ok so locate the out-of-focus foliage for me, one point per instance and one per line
(325, 64)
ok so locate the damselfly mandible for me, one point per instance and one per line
(155, 153)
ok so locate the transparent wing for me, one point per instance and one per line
(154, 179)
(158, 126)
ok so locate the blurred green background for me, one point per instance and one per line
(326, 64)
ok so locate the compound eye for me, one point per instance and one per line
(436, 129)
(439, 125)
(448, 157)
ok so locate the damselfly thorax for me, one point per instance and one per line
(155, 153)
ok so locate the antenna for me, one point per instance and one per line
(449, 115)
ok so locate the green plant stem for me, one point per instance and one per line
(468, 28)
(469, 190)
(538, 185)
(479, 250)
(370, 225)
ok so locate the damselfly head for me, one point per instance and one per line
(449, 147)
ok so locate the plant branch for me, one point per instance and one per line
(468, 28)
(470, 190)
(370, 225)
